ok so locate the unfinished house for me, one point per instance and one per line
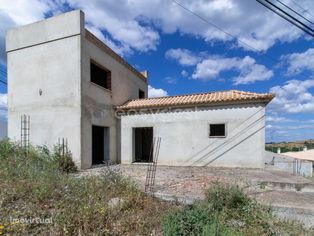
(67, 81)
(218, 129)
(73, 86)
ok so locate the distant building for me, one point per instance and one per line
(73, 86)
(298, 163)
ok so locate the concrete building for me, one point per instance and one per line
(72, 86)
(217, 129)
(297, 163)
(68, 82)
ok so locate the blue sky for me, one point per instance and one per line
(183, 54)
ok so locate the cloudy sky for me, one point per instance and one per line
(238, 44)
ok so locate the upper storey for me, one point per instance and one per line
(56, 28)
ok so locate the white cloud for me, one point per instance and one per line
(20, 13)
(170, 80)
(3, 100)
(156, 92)
(297, 62)
(6, 23)
(3, 106)
(184, 73)
(246, 19)
(249, 71)
(136, 25)
(183, 56)
(278, 119)
(121, 49)
(209, 67)
(122, 20)
(25, 12)
(293, 97)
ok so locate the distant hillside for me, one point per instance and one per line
(3, 129)
(290, 146)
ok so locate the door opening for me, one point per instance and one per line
(100, 145)
(142, 143)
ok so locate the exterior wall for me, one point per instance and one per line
(46, 56)
(53, 56)
(185, 136)
(288, 164)
(98, 102)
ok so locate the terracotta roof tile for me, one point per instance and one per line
(197, 99)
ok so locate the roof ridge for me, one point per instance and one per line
(198, 98)
(184, 95)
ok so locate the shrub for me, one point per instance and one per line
(227, 210)
(197, 219)
(64, 161)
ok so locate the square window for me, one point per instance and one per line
(100, 76)
(217, 130)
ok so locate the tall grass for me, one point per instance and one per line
(39, 186)
(36, 187)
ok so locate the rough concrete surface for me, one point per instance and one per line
(187, 184)
(50, 81)
(185, 137)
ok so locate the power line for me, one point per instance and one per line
(274, 8)
(294, 11)
(216, 26)
(3, 70)
(305, 10)
(3, 82)
(227, 33)
(4, 74)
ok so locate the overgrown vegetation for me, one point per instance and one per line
(227, 210)
(39, 186)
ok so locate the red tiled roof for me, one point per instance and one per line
(225, 97)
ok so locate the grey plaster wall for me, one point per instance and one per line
(289, 164)
(44, 71)
(49, 80)
(98, 103)
(185, 137)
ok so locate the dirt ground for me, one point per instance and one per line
(292, 196)
(191, 182)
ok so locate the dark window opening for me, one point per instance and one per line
(217, 130)
(143, 141)
(141, 94)
(100, 145)
(100, 76)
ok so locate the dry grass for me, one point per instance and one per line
(35, 187)
(38, 186)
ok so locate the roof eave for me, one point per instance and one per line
(189, 105)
